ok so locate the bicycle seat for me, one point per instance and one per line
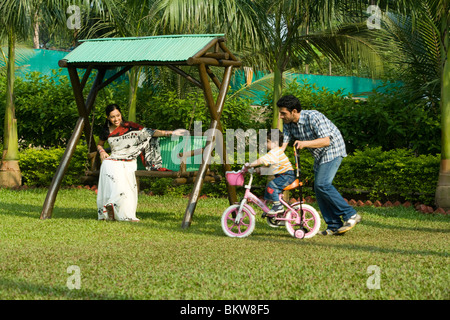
(293, 185)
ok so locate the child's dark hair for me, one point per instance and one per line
(275, 135)
(289, 102)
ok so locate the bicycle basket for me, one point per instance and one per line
(235, 178)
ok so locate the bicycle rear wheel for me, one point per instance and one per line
(243, 228)
(308, 220)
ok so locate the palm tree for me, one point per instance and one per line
(423, 35)
(16, 18)
(14, 23)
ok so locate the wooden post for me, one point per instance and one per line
(232, 198)
(84, 110)
(49, 202)
(215, 111)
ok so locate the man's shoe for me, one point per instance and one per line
(350, 223)
(329, 232)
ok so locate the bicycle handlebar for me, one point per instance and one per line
(247, 168)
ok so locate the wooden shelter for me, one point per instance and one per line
(198, 51)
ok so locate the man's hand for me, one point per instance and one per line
(317, 143)
(299, 144)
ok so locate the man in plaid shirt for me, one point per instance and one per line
(312, 130)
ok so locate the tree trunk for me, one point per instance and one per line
(277, 89)
(134, 75)
(442, 197)
(10, 175)
(36, 31)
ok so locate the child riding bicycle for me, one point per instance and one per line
(280, 167)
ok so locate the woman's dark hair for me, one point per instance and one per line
(275, 135)
(112, 107)
(105, 130)
(289, 102)
(109, 108)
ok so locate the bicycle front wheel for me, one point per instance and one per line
(237, 229)
(308, 220)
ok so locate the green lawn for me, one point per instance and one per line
(156, 259)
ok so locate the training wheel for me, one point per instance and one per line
(299, 234)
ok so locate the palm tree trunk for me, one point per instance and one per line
(277, 89)
(442, 197)
(134, 82)
(36, 31)
(10, 175)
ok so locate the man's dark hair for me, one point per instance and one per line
(275, 135)
(289, 102)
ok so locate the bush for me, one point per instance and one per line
(370, 174)
(394, 174)
(46, 111)
(388, 128)
(374, 174)
(38, 166)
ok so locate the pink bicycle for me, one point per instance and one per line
(238, 220)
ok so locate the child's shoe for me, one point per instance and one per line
(276, 209)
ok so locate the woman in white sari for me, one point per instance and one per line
(117, 188)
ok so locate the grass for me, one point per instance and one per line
(156, 259)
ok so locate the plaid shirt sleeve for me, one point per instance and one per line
(286, 133)
(320, 126)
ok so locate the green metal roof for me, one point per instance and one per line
(170, 48)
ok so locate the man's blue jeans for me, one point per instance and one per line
(331, 203)
(276, 186)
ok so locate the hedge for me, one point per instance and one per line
(390, 175)
(39, 165)
(374, 174)
(370, 173)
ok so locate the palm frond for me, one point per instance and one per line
(253, 91)
(22, 54)
(345, 45)
(420, 50)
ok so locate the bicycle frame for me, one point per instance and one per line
(250, 197)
